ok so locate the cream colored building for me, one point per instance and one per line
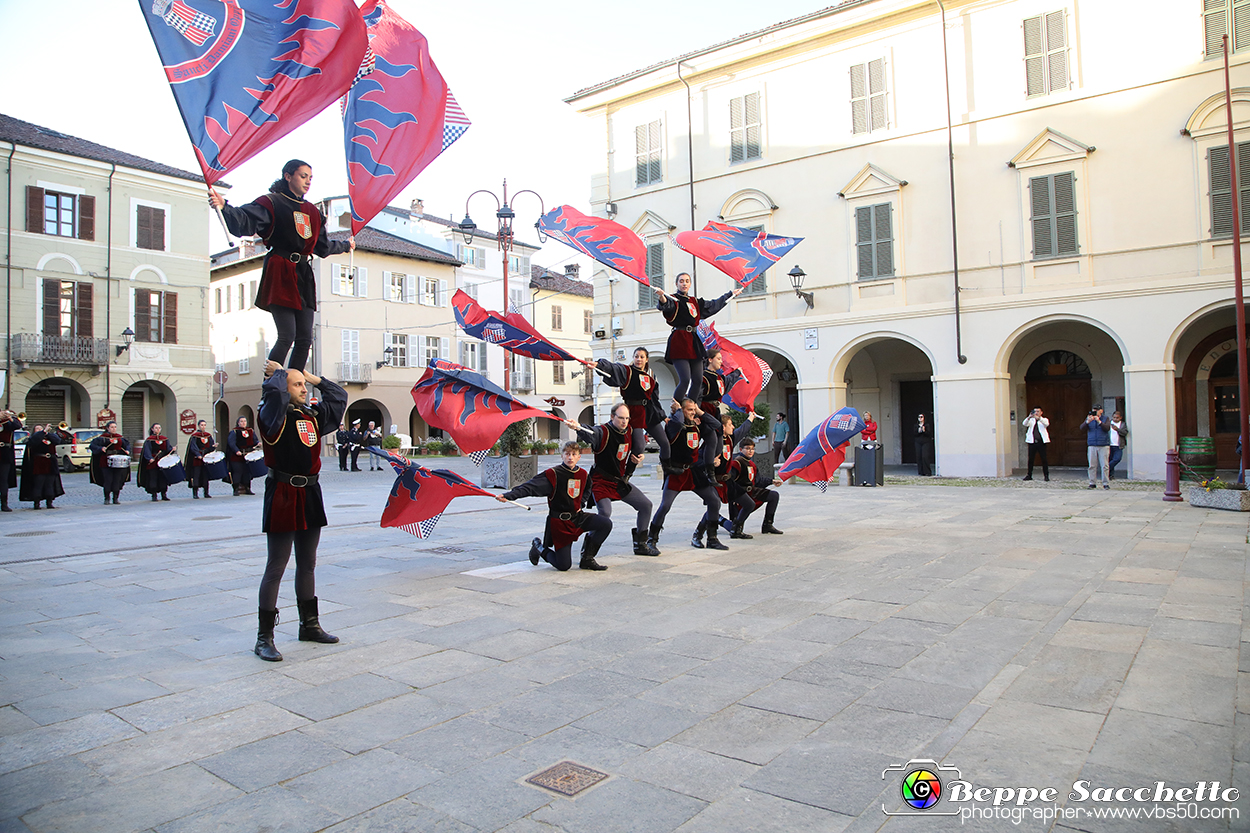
(561, 307)
(391, 294)
(1091, 209)
(102, 243)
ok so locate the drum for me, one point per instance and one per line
(118, 461)
(256, 463)
(215, 465)
(171, 467)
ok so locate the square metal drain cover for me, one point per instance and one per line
(567, 778)
(445, 550)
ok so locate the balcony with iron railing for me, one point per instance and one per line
(586, 385)
(36, 348)
(358, 373)
(523, 381)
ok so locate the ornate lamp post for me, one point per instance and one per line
(505, 215)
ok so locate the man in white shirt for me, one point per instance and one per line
(1119, 442)
(1036, 434)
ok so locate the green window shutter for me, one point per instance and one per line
(759, 286)
(737, 133)
(1220, 186)
(647, 161)
(1241, 25)
(754, 126)
(653, 137)
(1053, 203)
(1043, 228)
(859, 98)
(863, 242)
(1034, 57)
(876, 94)
(1065, 214)
(874, 241)
(1214, 26)
(655, 274)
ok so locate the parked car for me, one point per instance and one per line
(19, 445)
(77, 455)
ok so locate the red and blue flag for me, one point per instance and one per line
(740, 253)
(824, 449)
(467, 406)
(511, 332)
(247, 72)
(420, 495)
(745, 373)
(398, 116)
(610, 243)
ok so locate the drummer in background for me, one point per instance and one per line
(110, 478)
(8, 460)
(151, 478)
(41, 478)
(238, 443)
(200, 443)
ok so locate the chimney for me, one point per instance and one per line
(572, 270)
(418, 207)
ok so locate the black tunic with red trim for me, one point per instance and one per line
(683, 314)
(713, 390)
(41, 476)
(639, 389)
(609, 478)
(565, 489)
(744, 479)
(291, 435)
(102, 447)
(690, 458)
(239, 442)
(198, 444)
(151, 478)
(288, 226)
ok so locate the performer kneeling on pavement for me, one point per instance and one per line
(110, 479)
(238, 443)
(8, 457)
(151, 477)
(294, 512)
(564, 486)
(692, 434)
(730, 436)
(614, 464)
(198, 444)
(749, 492)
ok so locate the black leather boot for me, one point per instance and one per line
(164, 495)
(106, 498)
(264, 637)
(155, 497)
(713, 543)
(536, 551)
(653, 537)
(768, 528)
(195, 494)
(696, 540)
(738, 533)
(4, 504)
(589, 551)
(641, 547)
(310, 625)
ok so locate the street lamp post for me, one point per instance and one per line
(505, 215)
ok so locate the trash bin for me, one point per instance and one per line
(870, 464)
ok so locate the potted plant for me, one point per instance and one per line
(434, 447)
(1216, 494)
(538, 447)
(449, 448)
(506, 468)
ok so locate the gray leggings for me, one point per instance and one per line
(636, 499)
(710, 499)
(280, 543)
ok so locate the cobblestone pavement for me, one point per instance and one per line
(1029, 637)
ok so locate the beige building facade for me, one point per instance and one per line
(561, 307)
(106, 285)
(1090, 204)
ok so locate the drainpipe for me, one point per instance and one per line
(950, 153)
(8, 283)
(108, 296)
(694, 263)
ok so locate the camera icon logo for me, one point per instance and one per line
(920, 787)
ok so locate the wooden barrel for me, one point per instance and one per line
(1197, 456)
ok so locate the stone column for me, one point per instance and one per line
(1150, 391)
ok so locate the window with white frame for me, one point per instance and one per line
(242, 297)
(557, 317)
(471, 289)
(1046, 53)
(1053, 218)
(435, 348)
(156, 316)
(516, 301)
(648, 155)
(61, 210)
(229, 299)
(655, 274)
(557, 372)
(1225, 17)
(874, 241)
(398, 342)
(473, 257)
(251, 294)
(149, 226)
(245, 365)
(217, 300)
(588, 321)
(394, 282)
(745, 128)
(868, 97)
(473, 356)
(519, 265)
(433, 292)
(351, 347)
(349, 281)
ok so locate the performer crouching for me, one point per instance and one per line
(109, 478)
(749, 492)
(238, 443)
(198, 444)
(692, 435)
(614, 464)
(564, 486)
(294, 512)
(721, 474)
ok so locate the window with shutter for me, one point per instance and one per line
(150, 228)
(245, 365)
(516, 301)
(868, 97)
(874, 241)
(655, 274)
(169, 311)
(557, 317)
(1221, 189)
(588, 321)
(351, 346)
(442, 292)
(1046, 53)
(58, 214)
(647, 154)
(143, 315)
(1053, 203)
(217, 300)
(84, 310)
(759, 286)
(34, 209)
(399, 346)
(1225, 17)
(86, 218)
(251, 294)
(745, 128)
(470, 289)
(557, 372)
(242, 297)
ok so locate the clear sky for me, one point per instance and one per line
(88, 68)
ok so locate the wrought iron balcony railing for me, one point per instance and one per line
(360, 373)
(35, 348)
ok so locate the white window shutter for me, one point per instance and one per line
(464, 353)
(336, 275)
(1034, 57)
(442, 292)
(444, 348)
(362, 282)
(387, 277)
(423, 290)
(1057, 51)
(410, 289)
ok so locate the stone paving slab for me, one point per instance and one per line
(1029, 635)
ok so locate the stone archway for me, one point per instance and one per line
(58, 399)
(891, 378)
(221, 418)
(368, 410)
(146, 402)
(1206, 388)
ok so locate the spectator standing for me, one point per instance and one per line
(924, 446)
(1119, 442)
(781, 430)
(1037, 435)
(1097, 430)
(869, 434)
